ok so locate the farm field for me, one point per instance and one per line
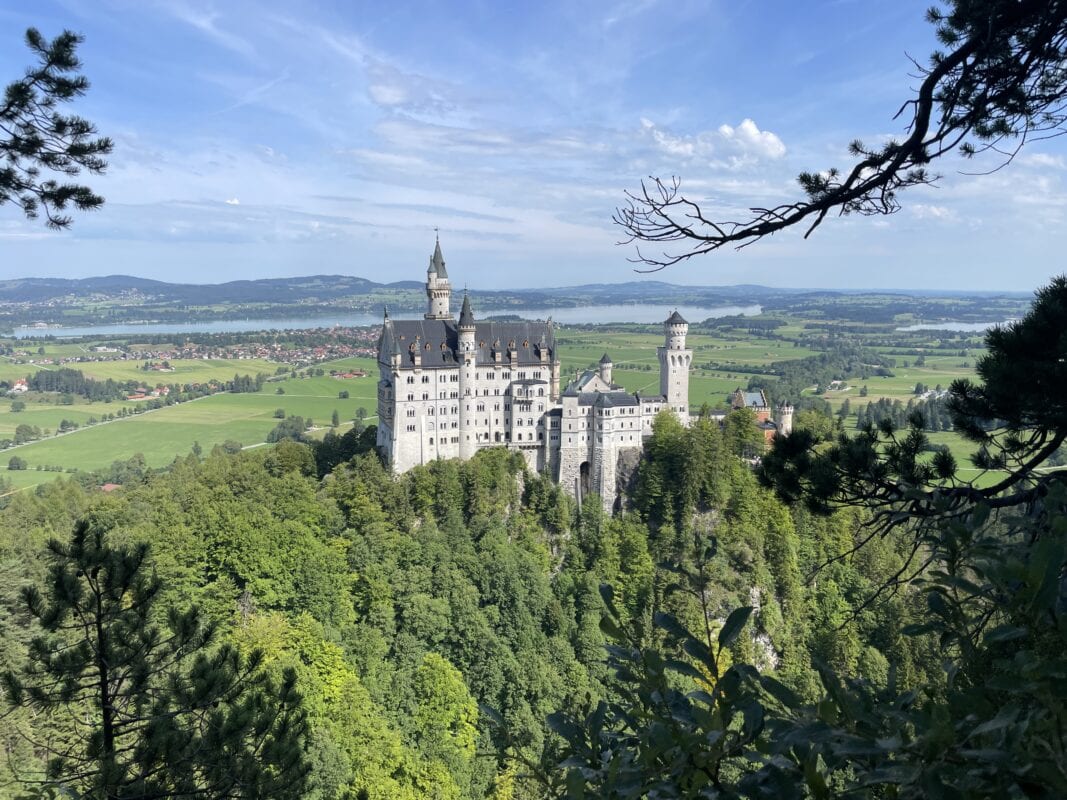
(171, 431)
(723, 361)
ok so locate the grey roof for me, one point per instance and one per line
(437, 261)
(607, 399)
(466, 316)
(755, 399)
(605, 359)
(676, 319)
(438, 341)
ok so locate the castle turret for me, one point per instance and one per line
(785, 419)
(674, 362)
(605, 369)
(468, 362)
(438, 287)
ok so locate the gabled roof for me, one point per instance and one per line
(438, 340)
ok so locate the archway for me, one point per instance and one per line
(585, 480)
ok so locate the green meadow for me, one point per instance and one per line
(171, 431)
(722, 363)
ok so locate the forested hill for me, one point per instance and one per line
(404, 603)
(119, 298)
(263, 290)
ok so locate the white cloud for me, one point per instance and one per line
(726, 146)
(1043, 160)
(929, 211)
(762, 144)
(233, 201)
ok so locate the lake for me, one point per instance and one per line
(954, 326)
(568, 316)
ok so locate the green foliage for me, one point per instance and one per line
(36, 136)
(157, 711)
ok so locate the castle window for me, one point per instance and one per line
(537, 374)
(431, 440)
(411, 396)
(425, 378)
(430, 411)
(411, 428)
(426, 346)
(425, 395)
(411, 378)
(525, 343)
(411, 412)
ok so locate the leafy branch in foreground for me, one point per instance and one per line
(1000, 84)
(35, 136)
(1017, 415)
(142, 710)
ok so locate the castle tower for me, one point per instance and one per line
(438, 288)
(468, 361)
(674, 362)
(605, 369)
(785, 419)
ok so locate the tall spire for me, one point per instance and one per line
(437, 263)
(466, 316)
(438, 287)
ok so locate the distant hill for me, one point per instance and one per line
(264, 290)
(124, 298)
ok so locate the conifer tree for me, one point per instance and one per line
(153, 707)
(35, 136)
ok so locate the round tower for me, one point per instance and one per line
(605, 369)
(785, 419)
(438, 287)
(467, 354)
(674, 363)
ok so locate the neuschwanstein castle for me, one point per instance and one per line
(448, 389)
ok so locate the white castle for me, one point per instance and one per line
(448, 389)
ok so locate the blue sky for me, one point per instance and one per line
(271, 139)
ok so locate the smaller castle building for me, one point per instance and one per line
(757, 403)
